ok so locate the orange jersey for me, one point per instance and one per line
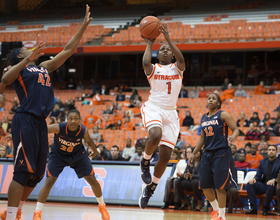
(202, 94)
(254, 160)
(128, 126)
(228, 94)
(116, 118)
(275, 86)
(259, 90)
(93, 117)
(96, 102)
(136, 111)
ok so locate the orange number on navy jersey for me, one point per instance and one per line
(68, 149)
(42, 81)
(63, 148)
(209, 131)
(169, 87)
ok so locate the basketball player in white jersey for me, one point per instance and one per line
(159, 113)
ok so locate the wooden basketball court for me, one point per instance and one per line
(70, 211)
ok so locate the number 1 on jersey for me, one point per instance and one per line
(169, 87)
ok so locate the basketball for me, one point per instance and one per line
(149, 27)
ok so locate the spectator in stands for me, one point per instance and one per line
(260, 89)
(252, 133)
(118, 125)
(129, 150)
(248, 148)
(90, 154)
(115, 117)
(278, 153)
(278, 118)
(225, 85)
(275, 86)
(6, 125)
(180, 142)
(254, 158)
(242, 164)
(2, 132)
(94, 86)
(252, 75)
(90, 115)
(273, 128)
(70, 104)
(266, 119)
(96, 136)
(255, 119)
(137, 157)
(136, 113)
(188, 120)
(278, 108)
(127, 101)
(193, 93)
(202, 93)
(71, 84)
(115, 154)
(264, 134)
(107, 122)
(240, 92)
(264, 181)
(170, 182)
(102, 152)
(3, 151)
(242, 122)
(235, 155)
(108, 110)
(59, 102)
(97, 99)
(104, 90)
(228, 93)
(120, 96)
(127, 125)
(263, 149)
(190, 182)
(14, 107)
(221, 73)
(56, 110)
(183, 93)
(134, 93)
(80, 86)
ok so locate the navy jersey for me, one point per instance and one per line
(215, 131)
(34, 90)
(69, 142)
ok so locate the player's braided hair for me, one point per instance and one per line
(74, 111)
(219, 100)
(11, 58)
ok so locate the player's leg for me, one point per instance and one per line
(83, 168)
(152, 120)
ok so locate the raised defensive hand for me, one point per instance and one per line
(36, 53)
(87, 19)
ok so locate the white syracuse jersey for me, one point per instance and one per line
(165, 82)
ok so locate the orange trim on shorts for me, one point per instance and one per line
(22, 84)
(224, 130)
(92, 171)
(48, 172)
(150, 76)
(226, 179)
(152, 121)
(168, 142)
(143, 115)
(30, 170)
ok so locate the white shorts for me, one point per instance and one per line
(168, 120)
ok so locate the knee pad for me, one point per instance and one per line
(33, 180)
(22, 177)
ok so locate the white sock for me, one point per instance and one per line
(11, 213)
(222, 212)
(39, 206)
(100, 200)
(215, 205)
(155, 180)
(146, 156)
(21, 204)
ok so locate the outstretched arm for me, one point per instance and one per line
(54, 128)
(146, 61)
(177, 53)
(90, 143)
(70, 47)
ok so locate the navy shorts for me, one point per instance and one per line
(78, 161)
(216, 169)
(30, 139)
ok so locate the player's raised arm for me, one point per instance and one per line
(90, 143)
(231, 124)
(54, 128)
(70, 47)
(147, 57)
(177, 53)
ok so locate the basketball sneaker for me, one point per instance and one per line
(145, 171)
(215, 215)
(104, 213)
(145, 197)
(37, 215)
(4, 214)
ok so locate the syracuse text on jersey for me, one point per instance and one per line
(167, 77)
